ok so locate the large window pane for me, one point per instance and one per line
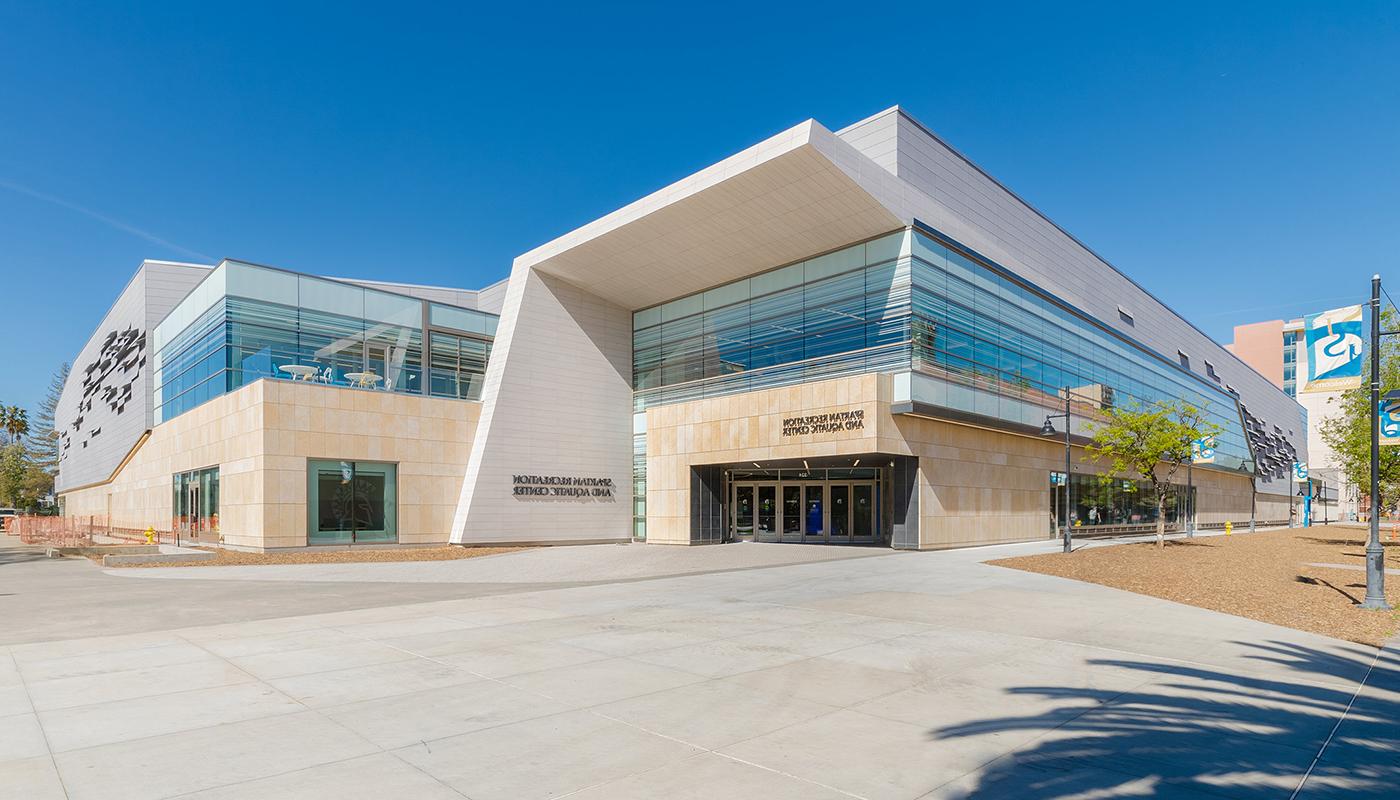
(352, 502)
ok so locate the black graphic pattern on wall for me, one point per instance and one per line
(108, 386)
(1273, 453)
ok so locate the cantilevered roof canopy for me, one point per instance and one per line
(797, 194)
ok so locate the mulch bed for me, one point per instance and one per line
(1263, 576)
(238, 558)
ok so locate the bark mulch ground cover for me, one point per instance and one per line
(236, 558)
(1266, 576)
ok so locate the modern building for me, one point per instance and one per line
(1275, 348)
(849, 337)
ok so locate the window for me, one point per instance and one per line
(1210, 372)
(1184, 359)
(457, 365)
(1125, 316)
(351, 502)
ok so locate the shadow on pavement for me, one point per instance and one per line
(1192, 731)
(21, 555)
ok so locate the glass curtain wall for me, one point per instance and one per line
(842, 313)
(245, 322)
(352, 502)
(986, 345)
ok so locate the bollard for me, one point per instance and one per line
(1229, 527)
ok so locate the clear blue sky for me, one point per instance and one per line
(1239, 160)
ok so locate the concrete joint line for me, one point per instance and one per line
(1328, 741)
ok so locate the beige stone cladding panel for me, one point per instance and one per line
(979, 486)
(428, 438)
(261, 437)
(225, 432)
(747, 428)
(1222, 497)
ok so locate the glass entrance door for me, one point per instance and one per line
(766, 529)
(743, 511)
(814, 513)
(863, 513)
(840, 513)
(792, 512)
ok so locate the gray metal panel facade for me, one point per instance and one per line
(108, 400)
(954, 196)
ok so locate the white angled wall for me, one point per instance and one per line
(557, 401)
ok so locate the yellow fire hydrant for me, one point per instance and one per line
(1229, 526)
(150, 534)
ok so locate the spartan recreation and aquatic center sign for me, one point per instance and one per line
(563, 486)
(830, 422)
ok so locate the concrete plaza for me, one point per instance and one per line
(736, 671)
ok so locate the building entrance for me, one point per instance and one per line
(840, 509)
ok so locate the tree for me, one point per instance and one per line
(1150, 442)
(15, 422)
(43, 437)
(12, 476)
(1348, 432)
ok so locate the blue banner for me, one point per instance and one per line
(1334, 347)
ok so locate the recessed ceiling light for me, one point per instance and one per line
(856, 463)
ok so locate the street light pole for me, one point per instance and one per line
(1375, 555)
(1190, 498)
(1048, 429)
(1067, 533)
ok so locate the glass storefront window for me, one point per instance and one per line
(1095, 502)
(351, 502)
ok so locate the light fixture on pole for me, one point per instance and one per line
(1048, 429)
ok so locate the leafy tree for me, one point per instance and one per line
(1150, 442)
(43, 437)
(15, 422)
(1348, 432)
(12, 476)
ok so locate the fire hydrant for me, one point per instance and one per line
(150, 535)
(1229, 526)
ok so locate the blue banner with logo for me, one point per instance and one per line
(1334, 346)
(1390, 422)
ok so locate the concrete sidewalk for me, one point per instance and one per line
(912, 675)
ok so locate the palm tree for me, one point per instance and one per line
(15, 421)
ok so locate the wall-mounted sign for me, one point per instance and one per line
(1334, 345)
(1300, 470)
(830, 422)
(573, 486)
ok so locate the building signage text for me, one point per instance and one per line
(830, 422)
(563, 486)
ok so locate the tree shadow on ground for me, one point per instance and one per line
(1194, 731)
